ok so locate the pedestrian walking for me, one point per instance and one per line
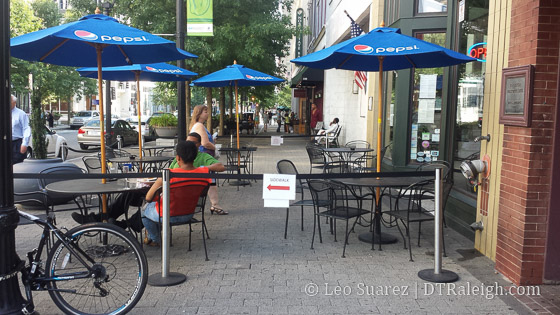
(50, 119)
(21, 133)
(279, 120)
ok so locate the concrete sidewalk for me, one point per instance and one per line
(254, 270)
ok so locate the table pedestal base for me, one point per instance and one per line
(384, 238)
(445, 276)
(173, 278)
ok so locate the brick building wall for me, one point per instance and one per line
(527, 152)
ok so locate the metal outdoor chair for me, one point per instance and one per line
(189, 197)
(373, 167)
(338, 208)
(408, 208)
(287, 167)
(317, 157)
(362, 158)
(59, 199)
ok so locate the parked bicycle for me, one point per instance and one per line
(95, 268)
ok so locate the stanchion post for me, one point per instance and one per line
(166, 278)
(119, 143)
(438, 274)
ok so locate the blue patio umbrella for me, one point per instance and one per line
(236, 75)
(382, 49)
(160, 72)
(95, 40)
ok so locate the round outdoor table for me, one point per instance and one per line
(381, 182)
(152, 149)
(233, 161)
(92, 186)
(155, 160)
(346, 153)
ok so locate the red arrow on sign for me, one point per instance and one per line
(270, 187)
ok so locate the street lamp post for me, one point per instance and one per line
(11, 301)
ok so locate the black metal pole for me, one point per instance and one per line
(181, 90)
(11, 301)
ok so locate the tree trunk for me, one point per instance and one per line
(231, 100)
(188, 106)
(37, 127)
(222, 110)
(69, 110)
(209, 103)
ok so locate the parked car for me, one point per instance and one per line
(89, 134)
(146, 132)
(80, 118)
(56, 144)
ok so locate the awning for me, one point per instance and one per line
(307, 77)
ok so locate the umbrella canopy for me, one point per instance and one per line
(381, 49)
(236, 75)
(95, 40)
(159, 72)
(398, 51)
(74, 44)
(155, 72)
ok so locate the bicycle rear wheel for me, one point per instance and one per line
(120, 271)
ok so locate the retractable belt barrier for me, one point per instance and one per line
(167, 278)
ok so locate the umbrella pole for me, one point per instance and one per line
(237, 119)
(237, 113)
(101, 126)
(379, 123)
(137, 75)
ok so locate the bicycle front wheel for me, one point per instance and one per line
(116, 265)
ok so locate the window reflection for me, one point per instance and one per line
(432, 6)
(426, 109)
(470, 94)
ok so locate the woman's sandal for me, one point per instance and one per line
(219, 211)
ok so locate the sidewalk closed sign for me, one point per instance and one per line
(278, 190)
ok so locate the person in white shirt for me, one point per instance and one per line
(332, 128)
(21, 133)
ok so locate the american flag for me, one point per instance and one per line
(359, 76)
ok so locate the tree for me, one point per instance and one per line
(48, 82)
(253, 32)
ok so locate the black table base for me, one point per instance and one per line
(445, 276)
(384, 238)
(173, 278)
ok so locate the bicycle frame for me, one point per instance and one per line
(34, 281)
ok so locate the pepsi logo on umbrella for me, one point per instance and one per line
(85, 35)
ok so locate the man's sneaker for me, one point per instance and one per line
(83, 219)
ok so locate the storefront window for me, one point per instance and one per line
(431, 6)
(426, 108)
(390, 80)
(473, 31)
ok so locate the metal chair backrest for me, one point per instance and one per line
(288, 167)
(357, 144)
(431, 166)
(92, 164)
(186, 195)
(59, 198)
(316, 156)
(320, 191)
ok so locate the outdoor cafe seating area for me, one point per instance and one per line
(343, 202)
(252, 242)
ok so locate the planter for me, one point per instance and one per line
(42, 166)
(166, 132)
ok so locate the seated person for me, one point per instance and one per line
(332, 128)
(186, 154)
(205, 159)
